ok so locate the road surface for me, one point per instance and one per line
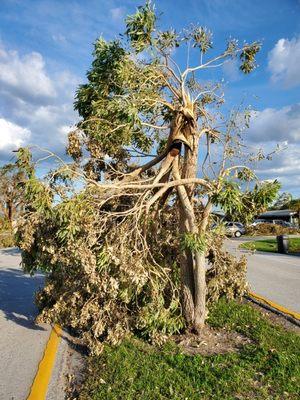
(22, 342)
(272, 275)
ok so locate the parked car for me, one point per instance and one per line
(260, 221)
(235, 229)
(283, 223)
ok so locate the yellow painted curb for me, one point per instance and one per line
(284, 310)
(40, 384)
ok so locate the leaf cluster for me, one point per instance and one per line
(140, 26)
(241, 205)
(248, 56)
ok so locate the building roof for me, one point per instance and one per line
(220, 213)
(277, 213)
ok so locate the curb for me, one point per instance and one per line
(290, 315)
(38, 390)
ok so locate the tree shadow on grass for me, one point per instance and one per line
(17, 292)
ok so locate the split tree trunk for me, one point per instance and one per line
(192, 262)
(186, 274)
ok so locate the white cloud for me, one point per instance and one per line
(284, 166)
(117, 13)
(284, 61)
(276, 125)
(269, 128)
(59, 38)
(12, 136)
(49, 124)
(25, 76)
(38, 111)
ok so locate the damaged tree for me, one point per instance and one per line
(138, 99)
(154, 101)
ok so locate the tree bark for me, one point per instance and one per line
(186, 274)
(9, 212)
(200, 291)
(198, 260)
(193, 266)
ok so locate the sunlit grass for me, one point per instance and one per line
(270, 245)
(267, 369)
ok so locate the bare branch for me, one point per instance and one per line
(155, 126)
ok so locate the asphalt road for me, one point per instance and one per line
(272, 275)
(22, 342)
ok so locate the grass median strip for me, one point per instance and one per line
(270, 245)
(266, 368)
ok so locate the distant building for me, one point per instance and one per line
(283, 215)
(219, 214)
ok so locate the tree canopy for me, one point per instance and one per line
(11, 198)
(127, 249)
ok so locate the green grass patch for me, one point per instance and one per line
(271, 245)
(267, 369)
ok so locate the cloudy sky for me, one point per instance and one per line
(46, 45)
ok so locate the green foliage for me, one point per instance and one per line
(24, 161)
(167, 40)
(244, 205)
(229, 198)
(98, 280)
(11, 195)
(232, 46)
(6, 240)
(127, 95)
(94, 283)
(140, 26)
(247, 57)
(119, 94)
(111, 255)
(264, 194)
(202, 38)
(193, 242)
(283, 201)
(266, 369)
(294, 204)
(246, 175)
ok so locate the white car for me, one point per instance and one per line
(235, 229)
(258, 221)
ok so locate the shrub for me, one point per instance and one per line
(99, 284)
(270, 229)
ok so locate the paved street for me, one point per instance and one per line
(22, 342)
(272, 275)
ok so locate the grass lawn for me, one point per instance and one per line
(271, 245)
(269, 368)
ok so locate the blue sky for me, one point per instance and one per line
(46, 45)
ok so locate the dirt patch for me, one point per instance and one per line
(211, 341)
(76, 365)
